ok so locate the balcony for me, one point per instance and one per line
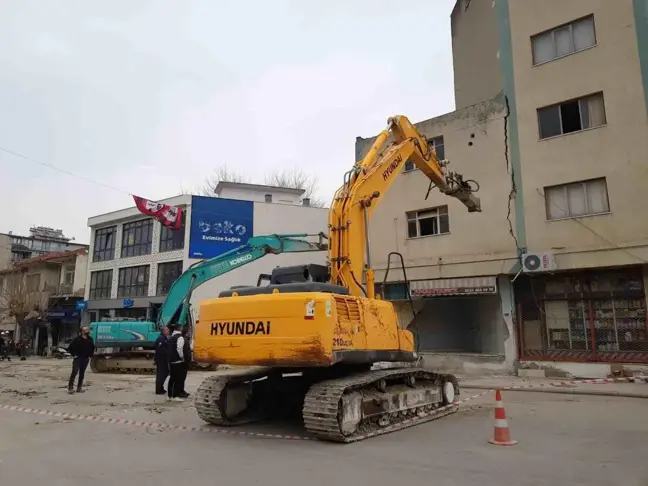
(62, 289)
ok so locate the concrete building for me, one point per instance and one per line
(41, 240)
(569, 150)
(134, 259)
(456, 262)
(51, 285)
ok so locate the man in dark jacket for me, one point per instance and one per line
(161, 361)
(82, 349)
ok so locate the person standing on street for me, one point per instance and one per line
(161, 361)
(82, 349)
(186, 351)
(176, 365)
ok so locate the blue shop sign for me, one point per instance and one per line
(219, 225)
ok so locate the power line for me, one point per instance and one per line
(64, 171)
(87, 179)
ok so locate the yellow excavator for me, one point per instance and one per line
(308, 341)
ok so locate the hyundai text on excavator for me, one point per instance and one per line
(314, 335)
(128, 345)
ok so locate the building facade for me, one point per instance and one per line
(570, 161)
(456, 262)
(134, 259)
(48, 288)
(41, 240)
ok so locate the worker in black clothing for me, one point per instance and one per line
(176, 365)
(186, 351)
(161, 361)
(4, 351)
(82, 349)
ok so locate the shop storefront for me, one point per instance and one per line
(587, 316)
(461, 323)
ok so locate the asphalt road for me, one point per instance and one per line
(563, 439)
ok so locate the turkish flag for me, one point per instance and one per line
(169, 216)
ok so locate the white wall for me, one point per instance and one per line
(80, 272)
(268, 219)
(249, 194)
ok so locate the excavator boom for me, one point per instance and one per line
(366, 183)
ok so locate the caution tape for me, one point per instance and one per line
(594, 381)
(420, 418)
(144, 424)
(423, 417)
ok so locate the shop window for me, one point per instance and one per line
(173, 239)
(587, 316)
(577, 199)
(133, 281)
(572, 116)
(168, 272)
(428, 222)
(563, 40)
(100, 284)
(104, 244)
(136, 238)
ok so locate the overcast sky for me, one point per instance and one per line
(151, 95)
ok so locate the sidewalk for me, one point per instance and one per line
(556, 385)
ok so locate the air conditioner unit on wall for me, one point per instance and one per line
(538, 262)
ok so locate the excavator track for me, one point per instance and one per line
(324, 403)
(211, 397)
(139, 364)
(378, 402)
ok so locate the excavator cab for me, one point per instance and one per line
(298, 278)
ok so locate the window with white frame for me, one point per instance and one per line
(68, 276)
(572, 116)
(577, 199)
(427, 222)
(439, 147)
(563, 40)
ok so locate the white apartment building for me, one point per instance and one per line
(134, 259)
(558, 146)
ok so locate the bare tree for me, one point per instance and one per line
(25, 306)
(290, 178)
(297, 179)
(13, 297)
(221, 174)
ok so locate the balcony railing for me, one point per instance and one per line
(62, 289)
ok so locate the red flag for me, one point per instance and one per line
(169, 216)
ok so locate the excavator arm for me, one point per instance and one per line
(176, 305)
(363, 187)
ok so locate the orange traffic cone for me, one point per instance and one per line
(502, 434)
